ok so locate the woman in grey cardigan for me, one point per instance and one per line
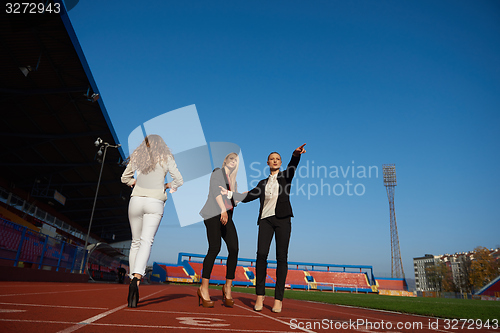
(217, 214)
(151, 160)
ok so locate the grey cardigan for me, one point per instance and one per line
(152, 184)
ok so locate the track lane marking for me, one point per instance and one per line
(11, 311)
(55, 306)
(33, 283)
(58, 292)
(218, 329)
(102, 315)
(37, 321)
(191, 313)
(275, 319)
(370, 310)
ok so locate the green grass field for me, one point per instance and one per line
(434, 307)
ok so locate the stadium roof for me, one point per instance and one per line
(49, 124)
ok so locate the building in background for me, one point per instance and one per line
(420, 265)
(463, 272)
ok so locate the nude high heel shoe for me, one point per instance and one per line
(277, 309)
(259, 307)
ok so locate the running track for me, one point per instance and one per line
(93, 307)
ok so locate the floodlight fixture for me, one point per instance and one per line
(94, 97)
(91, 97)
(389, 174)
(28, 69)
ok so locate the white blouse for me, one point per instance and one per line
(271, 196)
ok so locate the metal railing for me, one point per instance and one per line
(13, 200)
(28, 248)
(335, 286)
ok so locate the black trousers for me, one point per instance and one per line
(215, 232)
(269, 227)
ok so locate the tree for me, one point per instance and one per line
(439, 277)
(484, 268)
(448, 284)
(465, 273)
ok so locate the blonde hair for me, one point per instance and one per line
(234, 172)
(152, 151)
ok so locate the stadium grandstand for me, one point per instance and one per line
(52, 113)
(491, 290)
(301, 275)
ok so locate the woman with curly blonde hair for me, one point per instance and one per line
(151, 160)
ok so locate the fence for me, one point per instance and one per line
(335, 286)
(27, 248)
(437, 294)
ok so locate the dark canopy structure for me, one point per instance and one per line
(51, 116)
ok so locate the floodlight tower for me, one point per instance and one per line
(390, 184)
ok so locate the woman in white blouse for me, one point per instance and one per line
(274, 220)
(151, 160)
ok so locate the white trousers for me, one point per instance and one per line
(144, 215)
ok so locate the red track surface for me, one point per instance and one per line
(92, 307)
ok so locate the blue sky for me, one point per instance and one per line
(363, 83)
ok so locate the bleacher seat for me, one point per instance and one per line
(175, 273)
(342, 280)
(240, 276)
(296, 279)
(197, 267)
(218, 275)
(391, 284)
(357, 281)
(270, 278)
(250, 274)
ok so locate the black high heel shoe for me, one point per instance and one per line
(133, 293)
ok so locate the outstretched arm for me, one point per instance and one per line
(299, 151)
(294, 162)
(243, 197)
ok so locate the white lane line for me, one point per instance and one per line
(275, 319)
(100, 316)
(191, 313)
(218, 329)
(58, 292)
(33, 284)
(55, 306)
(375, 319)
(10, 311)
(36, 321)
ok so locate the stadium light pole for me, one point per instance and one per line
(390, 184)
(102, 145)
